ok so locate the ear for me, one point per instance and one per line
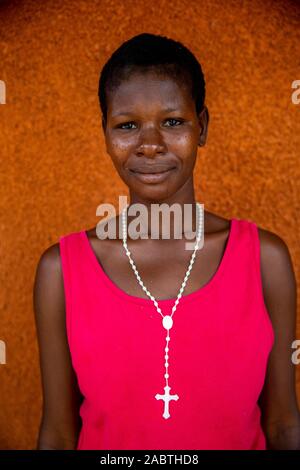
(203, 118)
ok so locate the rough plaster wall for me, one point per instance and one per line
(54, 168)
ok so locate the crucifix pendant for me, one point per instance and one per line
(166, 398)
(167, 324)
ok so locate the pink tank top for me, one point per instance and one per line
(218, 352)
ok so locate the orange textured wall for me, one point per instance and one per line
(54, 168)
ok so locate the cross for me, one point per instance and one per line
(166, 398)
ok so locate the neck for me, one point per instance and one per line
(173, 217)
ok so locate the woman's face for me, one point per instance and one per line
(152, 127)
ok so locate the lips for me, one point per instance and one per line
(151, 169)
(153, 178)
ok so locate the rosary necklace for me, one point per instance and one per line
(167, 320)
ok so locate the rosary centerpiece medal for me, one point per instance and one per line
(167, 320)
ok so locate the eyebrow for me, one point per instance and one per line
(124, 113)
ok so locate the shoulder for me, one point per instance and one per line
(49, 294)
(278, 276)
(50, 261)
(48, 286)
(274, 252)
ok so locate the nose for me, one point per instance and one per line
(150, 143)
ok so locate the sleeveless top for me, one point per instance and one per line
(218, 352)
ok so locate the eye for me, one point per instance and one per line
(125, 124)
(176, 120)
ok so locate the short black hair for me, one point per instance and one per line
(161, 54)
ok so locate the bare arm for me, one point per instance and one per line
(278, 400)
(61, 422)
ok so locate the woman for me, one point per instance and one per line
(100, 304)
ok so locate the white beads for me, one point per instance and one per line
(124, 225)
(167, 319)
